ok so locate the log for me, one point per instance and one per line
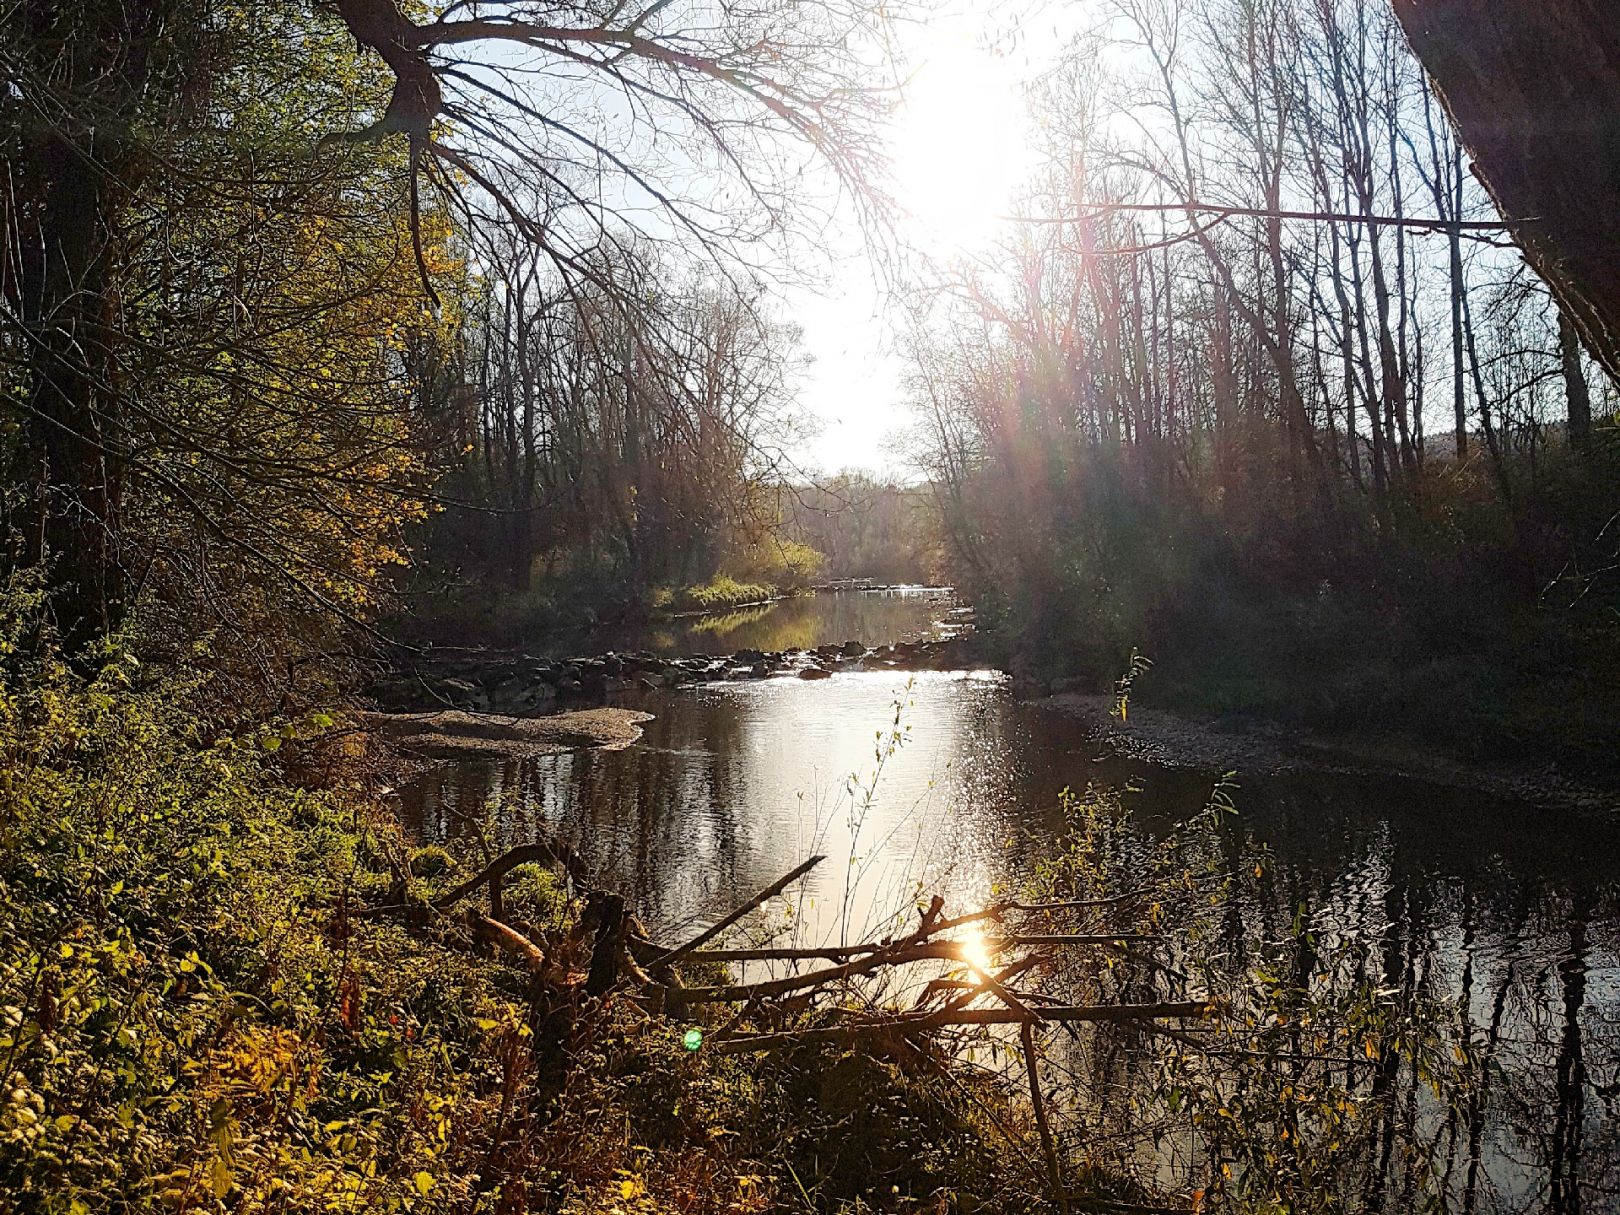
(508, 939)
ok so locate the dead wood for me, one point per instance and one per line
(1026, 1035)
(492, 873)
(490, 931)
(955, 1017)
(771, 891)
(895, 956)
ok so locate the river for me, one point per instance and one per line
(943, 781)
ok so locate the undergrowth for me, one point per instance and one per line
(193, 1019)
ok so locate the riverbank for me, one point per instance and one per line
(224, 990)
(1257, 747)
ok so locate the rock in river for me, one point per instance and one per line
(453, 734)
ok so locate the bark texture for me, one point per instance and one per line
(1534, 89)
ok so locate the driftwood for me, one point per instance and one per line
(622, 958)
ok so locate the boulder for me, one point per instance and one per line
(815, 673)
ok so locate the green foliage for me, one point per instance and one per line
(187, 1020)
(722, 591)
(431, 861)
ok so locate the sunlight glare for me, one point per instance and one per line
(976, 951)
(961, 143)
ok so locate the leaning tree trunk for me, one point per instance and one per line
(1533, 87)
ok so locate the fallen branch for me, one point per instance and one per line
(950, 951)
(843, 953)
(771, 891)
(1038, 1102)
(524, 854)
(508, 939)
(922, 1022)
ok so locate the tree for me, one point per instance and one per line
(205, 320)
(1533, 87)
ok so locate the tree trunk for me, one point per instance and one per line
(1533, 87)
(1575, 389)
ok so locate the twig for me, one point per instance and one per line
(913, 1023)
(1026, 1035)
(771, 891)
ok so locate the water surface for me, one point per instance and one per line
(942, 781)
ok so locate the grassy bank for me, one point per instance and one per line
(717, 595)
(563, 612)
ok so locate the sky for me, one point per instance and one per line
(965, 92)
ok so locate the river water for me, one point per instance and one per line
(943, 781)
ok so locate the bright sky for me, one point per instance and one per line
(960, 151)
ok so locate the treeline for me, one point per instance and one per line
(867, 527)
(1260, 389)
(608, 443)
(281, 284)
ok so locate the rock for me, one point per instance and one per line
(852, 649)
(453, 734)
(538, 694)
(570, 687)
(650, 683)
(815, 673)
(760, 670)
(748, 656)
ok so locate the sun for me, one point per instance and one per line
(976, 951)
(961, 142)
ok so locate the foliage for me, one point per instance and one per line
(192, 1020)
(1347, 472)
(246, 378)
(722, 591)
(1300, 1092)
(867, 528)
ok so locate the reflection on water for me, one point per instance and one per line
(802, 622)
(1509, 912)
